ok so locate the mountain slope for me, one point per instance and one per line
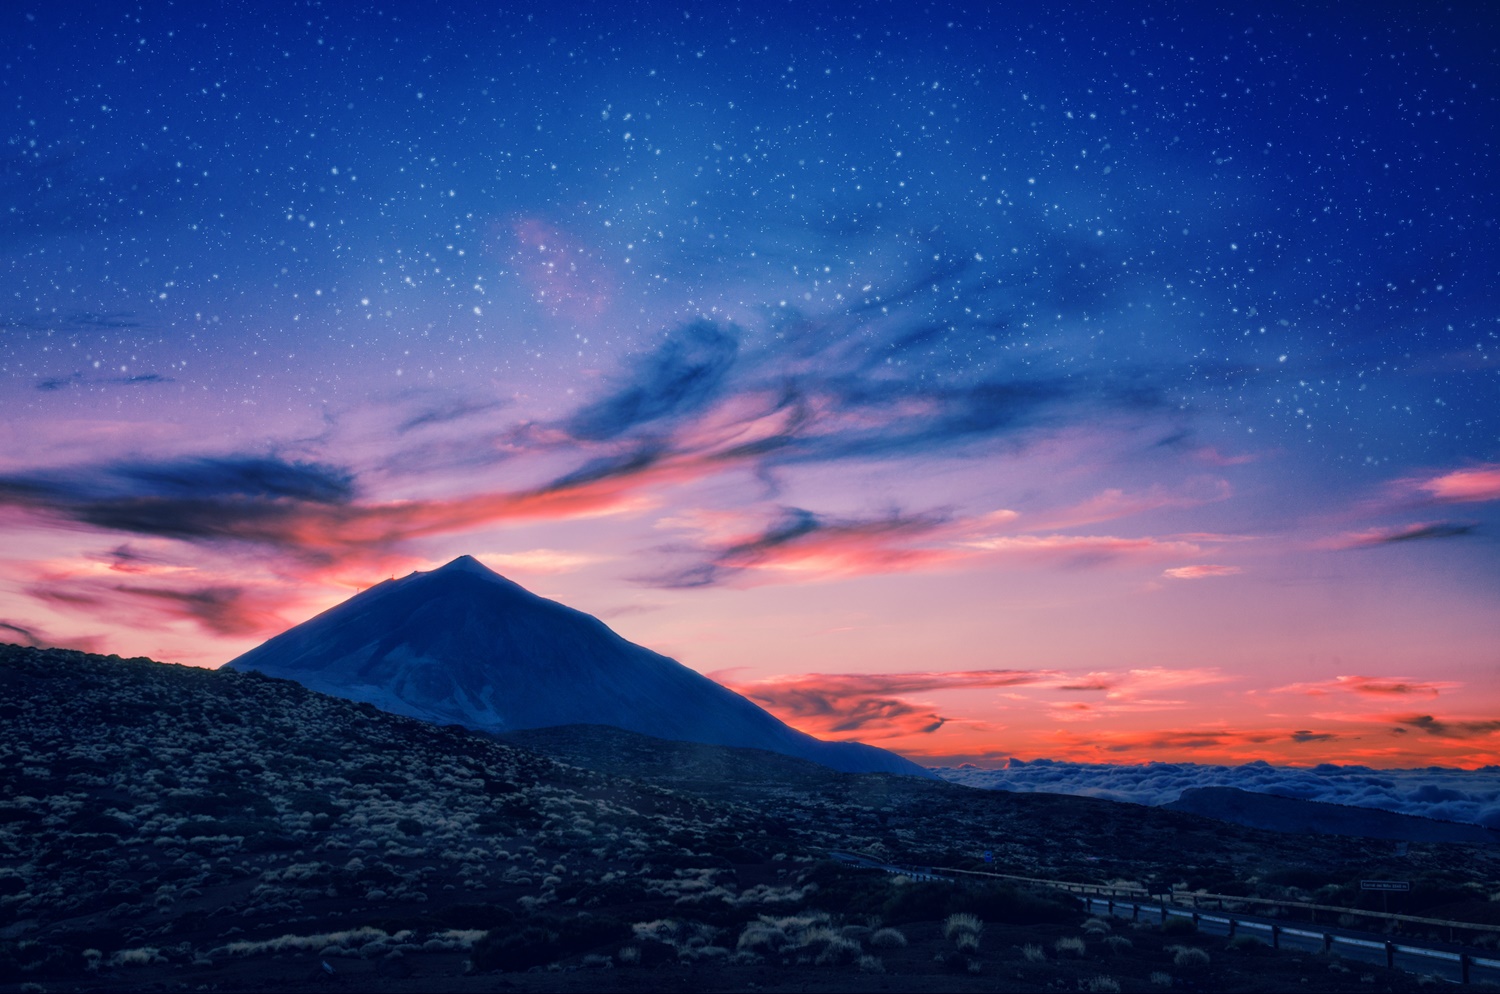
(462, 644)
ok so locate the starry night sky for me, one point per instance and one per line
(1112, 385)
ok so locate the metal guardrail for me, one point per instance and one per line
(1461, 965)
(1221, 899)
(1465, 966)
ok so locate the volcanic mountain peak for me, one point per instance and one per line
(462, 644)
(468, 564)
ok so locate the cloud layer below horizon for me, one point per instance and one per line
(1448, 794)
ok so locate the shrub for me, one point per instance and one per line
(1190, 958)
(961, 924)
(888, 938)
(761, 936)
(1033, 953)
(1102, 985)
(1070, 946)
(1118, 944)
(1161, 979)
(487, 916)
(837, 952)
(1096, 926)
(871, 964)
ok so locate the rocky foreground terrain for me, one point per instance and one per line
(170, 828)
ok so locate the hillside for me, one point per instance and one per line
(166, 826)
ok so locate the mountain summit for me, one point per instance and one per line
(462, 644)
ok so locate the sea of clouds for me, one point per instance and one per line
(1432, 792)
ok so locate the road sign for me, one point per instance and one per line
(1401, 886)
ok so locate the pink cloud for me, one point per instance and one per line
(1134, 684)
(869, 705)
(1080, 549)
(1112, 504)
(801, 546)
(538, 560)
(1396, 534)
(1390, 686)
(221, 610)
(1200, 572)
(875, 705)
(1481, 483)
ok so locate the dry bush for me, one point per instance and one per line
(1160, 978)
(1034, 953)
(1101, 985)
(957, 925)
(1189, 957)
(1096, 926)
(1118, 944)
(1070, 946)
(760, 936)
(838, 952)
(871, 964)
(888, 938)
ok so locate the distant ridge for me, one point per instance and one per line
(462, 644)
(1292, 814)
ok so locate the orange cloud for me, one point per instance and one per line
(1219, 741)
